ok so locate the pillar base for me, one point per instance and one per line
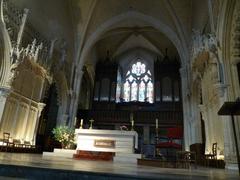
(231, 166)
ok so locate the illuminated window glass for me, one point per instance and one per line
(134, 90)
(141, 91)
(126, 91)
(150, 92)
(138, 84)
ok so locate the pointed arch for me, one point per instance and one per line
(5, 49)
(94, 37)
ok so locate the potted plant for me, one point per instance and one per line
(64, 135)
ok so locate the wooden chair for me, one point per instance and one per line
(17, 143)
(27, 144)
(214, 152)
(212, 156)
(6, 142)
(185, 159)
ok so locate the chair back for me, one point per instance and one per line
(214, 149)
(6, 137)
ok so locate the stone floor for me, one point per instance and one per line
(34, 166)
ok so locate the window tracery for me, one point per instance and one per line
(138, 84)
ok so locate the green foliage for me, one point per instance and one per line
(64, 135)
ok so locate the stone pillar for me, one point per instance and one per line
(40, 108)
(74, 98)
(63, 119)
(146, 134)
(186, 108)
(229, 145)
(4, 92)
(229, 94)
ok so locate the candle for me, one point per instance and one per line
(132, 123)
(156, 123)
(75, 121)
(131, 116)
(81, 124)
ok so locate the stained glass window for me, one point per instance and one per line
(141, 91)
(138, 84)
(134, 90)
(126, 91)
(150, 92)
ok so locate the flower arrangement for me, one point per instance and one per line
(64, 135)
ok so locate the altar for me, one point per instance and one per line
(106, 140)
(106, 144)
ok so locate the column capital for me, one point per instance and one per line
(41, 106)
(5, 91)
(183, 72)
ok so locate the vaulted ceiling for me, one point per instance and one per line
(93, 27)
(117, 26)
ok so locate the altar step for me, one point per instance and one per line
(126, 157)
(66, 153)
(94, 155)
(156, 163)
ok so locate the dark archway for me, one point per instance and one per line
(48, 120)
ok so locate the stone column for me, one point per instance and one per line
(74, 98)
(15, 118)
(4, 92)
(229, 143)
(63, 119)
(186, 107)
(40, 108)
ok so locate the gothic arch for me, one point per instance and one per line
(228, 25)
(228, 17)
(5, 50)
(133, 15)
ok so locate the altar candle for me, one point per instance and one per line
(81, 124)
(131, 117)
(75, 121)
(156, 123)
(132, 123)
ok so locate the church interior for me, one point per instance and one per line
(152, 86)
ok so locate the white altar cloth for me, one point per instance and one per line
(124, 141)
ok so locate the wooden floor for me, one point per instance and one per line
(34, 166)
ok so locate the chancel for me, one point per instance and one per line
(106, 88)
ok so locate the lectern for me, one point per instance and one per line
(231, 109)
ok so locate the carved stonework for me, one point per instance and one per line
(4, 92)
(235, 35)
(30, 65)
(221, 89)
(40, 107)
(203, 42)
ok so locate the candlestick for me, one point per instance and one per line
(131, 116)
(132, 122)
(75, 121)
(81, 124)
(91, 122)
